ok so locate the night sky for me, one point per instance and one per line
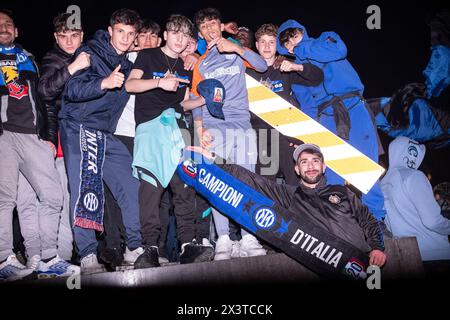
(385, 59)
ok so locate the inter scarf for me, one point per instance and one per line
(293, 233)
(90, 202)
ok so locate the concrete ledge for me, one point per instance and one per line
(403, 262)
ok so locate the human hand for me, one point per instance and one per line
(288, 66)
(114, 80)
(82, 61)
(231, 27)
(225, 45)
(170, 83)
(377, 257)
(189, 62)
(200, 150)
(278, 61)
(294, 142)
(205, 137)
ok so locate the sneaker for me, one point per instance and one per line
(111, 258)
(148, 259)
(235, 250)
(163, 256)
(89, 264)
(33, 262)
(224, 246)
(193, 252)
(250, 247)
(206, 242)
(56, 267)
(131, 256)
(11, 269)
(163, 260)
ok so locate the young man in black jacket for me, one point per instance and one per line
(279, 79)
(57, 67)
(27, 146)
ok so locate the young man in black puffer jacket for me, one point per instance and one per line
(58, 65)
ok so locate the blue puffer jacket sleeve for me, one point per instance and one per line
(328, 47)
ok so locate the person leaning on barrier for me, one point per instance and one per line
(332, 207)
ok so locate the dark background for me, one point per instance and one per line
(385, 59)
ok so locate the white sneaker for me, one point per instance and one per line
(12, 269)
(131, 256)
(224, 245)
(236, 250)
(206, 242)
(163, 260)
(56, 267)
(33, 262)
(89, 264)
(250, 247)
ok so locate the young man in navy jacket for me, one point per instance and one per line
(93, 101)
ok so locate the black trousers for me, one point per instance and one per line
(202, 225)
(149, 206)
(285, 160)
(165, 212)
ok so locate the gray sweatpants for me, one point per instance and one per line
(27, 154)
(233, 142)
(28, 209)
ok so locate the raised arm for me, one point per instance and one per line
(328, 47)
(280, 193)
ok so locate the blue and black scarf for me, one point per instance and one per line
(90, 203)
(295, 234)
(25, 66)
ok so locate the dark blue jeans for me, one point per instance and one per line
(117, 175)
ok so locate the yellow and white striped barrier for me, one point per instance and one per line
(341, 157)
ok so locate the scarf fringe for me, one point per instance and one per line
(88, 224)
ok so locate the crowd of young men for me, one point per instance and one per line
(116, 111)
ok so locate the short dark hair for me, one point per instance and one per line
(60, 23)
(151, 26)
(178, 22)
(8, 12)
(266, 29)
(285, 35)
(126, 16)
(206, 14)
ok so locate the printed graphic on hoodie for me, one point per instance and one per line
(10, 77)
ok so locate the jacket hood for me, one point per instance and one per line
(101, 44)
(406, 153)
(286, 25)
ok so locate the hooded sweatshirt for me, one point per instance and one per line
(410, 204)
(329, 53)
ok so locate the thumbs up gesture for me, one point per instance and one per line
(114, 80)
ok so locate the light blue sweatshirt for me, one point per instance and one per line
(410, 204)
